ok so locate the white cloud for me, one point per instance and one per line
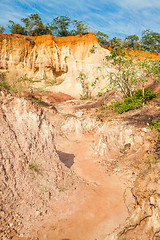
(133, 4)
(114, 17)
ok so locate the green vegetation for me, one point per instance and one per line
(102, 38)
(85, 86)
(156, 126)
(151, 159)
(3, 82)
(79, 28)
(2, 29)
(33, 26)
(56, 81)
(125, 77)
(17, 84)
(116, 43)
(60, 26)
(20, 84)
(129, 72)
(93, 49)
(63, 26)
(154, 154)
(34, 167)
(60, 188)
(37, 100)
(16, 28)
(151, 68)
(132, 102)
(150, 41)
(132, 42)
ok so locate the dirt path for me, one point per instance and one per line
(97, 209)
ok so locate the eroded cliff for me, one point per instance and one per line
(31, 173)
(52, 58)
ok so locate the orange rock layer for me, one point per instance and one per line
(143, 55)
(43, 56)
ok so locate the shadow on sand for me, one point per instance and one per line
(66, 158)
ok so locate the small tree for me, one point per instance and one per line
(149, 68)
(80, 28)
(131, 42)
(2, 29)
(129, 72)
(150, 41)
(34, 25)
(116, 43)
(125, 76)
(16, 28)
(85, 85)
(102, 38)
(60, 25)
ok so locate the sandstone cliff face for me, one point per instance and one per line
(53, 58)
(30, 170)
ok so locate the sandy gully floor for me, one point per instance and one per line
(96, 210)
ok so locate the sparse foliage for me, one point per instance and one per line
(156, 126)
(150, 41)
(2, 29)
(34, 167)
(151, 68)
(19, 84)
(129, 72)
(102, 38)
(16, 28)
(85, 86)
(34, 25)
(131, 102)
(116, 43)
(3, 83)
(80, 28)
(60, 25)
(125, 75)
(131, 41)
(93, 49)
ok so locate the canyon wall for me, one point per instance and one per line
(57, 60)
(31, 173)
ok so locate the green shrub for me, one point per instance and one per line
(3, 82)
(99, 94)
(148, 95)
(93, 49)
(132, 102)
(86, 94)
(37, 100)
(156, 126)
(34, 167)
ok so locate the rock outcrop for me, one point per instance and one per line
(144, 220)
(57, 59)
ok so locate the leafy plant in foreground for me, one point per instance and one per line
(132, 102)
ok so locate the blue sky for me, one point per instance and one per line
(117, 18)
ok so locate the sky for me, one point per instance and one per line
(116, 18)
